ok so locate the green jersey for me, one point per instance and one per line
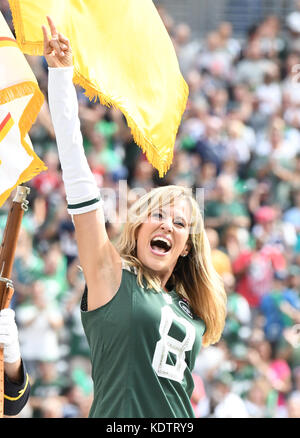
(143, 348)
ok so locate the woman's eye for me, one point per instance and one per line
(180, 224)
(158, 215)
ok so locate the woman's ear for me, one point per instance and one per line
(186, 249)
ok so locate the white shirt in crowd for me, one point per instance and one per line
(232, 406)
(38, 339)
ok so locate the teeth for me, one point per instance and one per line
(163, 240)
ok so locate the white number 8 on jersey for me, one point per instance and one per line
(167, 344)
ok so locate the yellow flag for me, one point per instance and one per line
(20, 103)
(124, 56)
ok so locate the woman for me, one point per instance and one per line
(16, 380)
(146, 304)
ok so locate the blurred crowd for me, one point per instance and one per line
(239, 140)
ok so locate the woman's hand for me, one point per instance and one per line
(9, 338)
(57, 49)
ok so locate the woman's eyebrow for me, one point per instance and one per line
(168, 210)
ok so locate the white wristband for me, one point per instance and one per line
(81, 189)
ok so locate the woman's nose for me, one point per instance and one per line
(167, 224)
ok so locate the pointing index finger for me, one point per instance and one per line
(53, 30)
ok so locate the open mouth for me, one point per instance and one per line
(160, 245)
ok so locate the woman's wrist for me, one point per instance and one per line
(14, 371)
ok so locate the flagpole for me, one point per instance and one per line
(7, 253)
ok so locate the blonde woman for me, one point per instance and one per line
(152, 302)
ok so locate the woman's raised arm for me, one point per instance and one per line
(98, 257)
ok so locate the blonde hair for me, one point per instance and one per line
(194, 276)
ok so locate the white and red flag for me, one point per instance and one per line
(20, 103)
